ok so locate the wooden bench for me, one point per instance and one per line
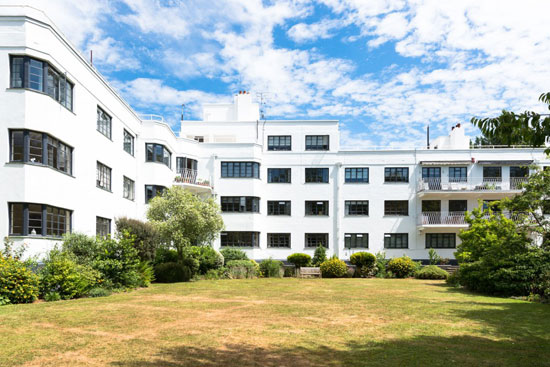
(306, 272)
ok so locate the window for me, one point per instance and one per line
(431, 172)
(158, 153)
(396, 174)
(356, 240)
(458, 205)
(396, 207)
(104, 122)
(357, 175)
(357, 207)
(278, 240)
(492, 174)
(278, 175)
(240, 204)
(199, 139)
(240, 239)
(38, 220)
(316, 175)
(27, 72)
(519, 172)
(440, 240)
(184, 164)
(316, 207)
(316, 239)
(128, 189)
(279, 142)
(396, 240)
(317, 142)
(103, 177)
(40, 148)
(102, 227)
(128, 143)
(278, 208)
(153, 190)
(458, 174)
(240, 169)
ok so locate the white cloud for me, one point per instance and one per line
(303, 32)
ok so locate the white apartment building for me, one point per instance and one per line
(76, 156)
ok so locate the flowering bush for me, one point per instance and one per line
(334, 268)
(18, 284)
(402, 267)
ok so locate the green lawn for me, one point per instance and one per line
(279, 322)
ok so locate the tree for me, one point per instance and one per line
(509, 128)
(184, 219)
(145, 235)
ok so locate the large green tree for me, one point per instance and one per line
(527, 128)
(184, 219)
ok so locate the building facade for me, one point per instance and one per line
(76, 156)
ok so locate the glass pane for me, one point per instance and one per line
(36, 70)
(35, 147)
(16, 219)
(17, 73)
(17, 146)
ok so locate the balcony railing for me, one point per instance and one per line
(470, 184)
(189, 176)
(441, 218)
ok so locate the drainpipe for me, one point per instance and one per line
(336, 212)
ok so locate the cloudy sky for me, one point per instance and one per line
(385, 68)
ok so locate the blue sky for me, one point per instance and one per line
(384, 68)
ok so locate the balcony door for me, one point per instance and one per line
(432, 175)
(518, 175)
(431, 211)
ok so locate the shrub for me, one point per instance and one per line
(146, 238)
(208, 258)
(381, 264)
(319, 256)
(146, 274)
(334, 268)
(98, 292)
(18, 284)
(453, 280)
(165, 255)
(118, 262)
(172, 272)
(215, 274)
(52, 297)
(431, 272)
(365, 263)
(271, 268)
(299, 259)
(61, 275)
(85, 248)
(434, 257)
(242, 269)
(230, 254)
(289, 271)
(402, 267)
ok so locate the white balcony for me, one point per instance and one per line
(189, 179)
(442, 219)
(470, 184)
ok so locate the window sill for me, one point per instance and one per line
(170, 168)
(396, 248)
(132, 200)
(279, 215)
(317, 216)
(288, 183)
(246, 178)
(356, 248)
(105, 135)
(241, 213)
(395, 215)
(356, 215)
(279, 248)
(104, 189)
(45, 94)
(38, 237)
(396, 182)
(133, 156)
(39, 165)
(355, 183)
(316, 182)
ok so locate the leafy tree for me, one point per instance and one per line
(184, 219)
(509, 128)
(319, 256)
(146, 237)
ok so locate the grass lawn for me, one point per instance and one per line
(279, 322)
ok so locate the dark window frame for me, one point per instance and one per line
(279, 240)
(186, 163)
(317, 175)
(104, 175)
(159, 154)
(317, 208)
(240, 204)
(275, 207)
(102, 226)
(130, 191)
(155, 191)
(456, 174)
(440, 240)
(356, 207)
(128, 144)
(351, 175)
(351, 240)
(238, 169)
(104, 123)
(396, 174)
(285, 177)
(396, 240)
(49, 216)
(396, 208)
(317, 143)
(279, 146)
(312, 240)
(490, 177)
(240, 239)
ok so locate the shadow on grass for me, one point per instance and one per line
(515, 334)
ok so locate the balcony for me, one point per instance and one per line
(470, 184)
(188, 178)
(442, 219)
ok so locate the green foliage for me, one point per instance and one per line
(431, 272)
(85, 248)
(381, 264)
(271, 268)
(172, 272)
(364, 262)
(402, 267)
(319, 256)
(434, 257)
(182, 218)
(52, 297)
(289, 272)
(99, 292)
(242, 269)
(62, 275)
(334, 268)
(18, 284)
(230, 254)
(215, 274)
(453, 280)
(208, 258)
(146, 273)
(166, 255)
(299, 259)
(146, 237)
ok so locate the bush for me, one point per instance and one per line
(146, 274)
(431, 272)
(83, 247)
(208, 258)
(230, 254)
(242, 269)
(165, 255)
(289, 272)
(18, 284)
(52, 297)
(146, 238)
(299, 259)
(402, 267)
(271, 268)
(61, 275)
(334, 268)
(319, 256)
(172, 272)
(434, 257)
(365, 263)
(215, 274)
(381, 264)
(98, 292)
(453, 280)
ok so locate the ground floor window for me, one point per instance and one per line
(316, 239)
(278, 240)
(102, 226)
(153, 190)
(440, 240)
(28, 219)
(396, 240)
(356, 240)
(240, 239)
